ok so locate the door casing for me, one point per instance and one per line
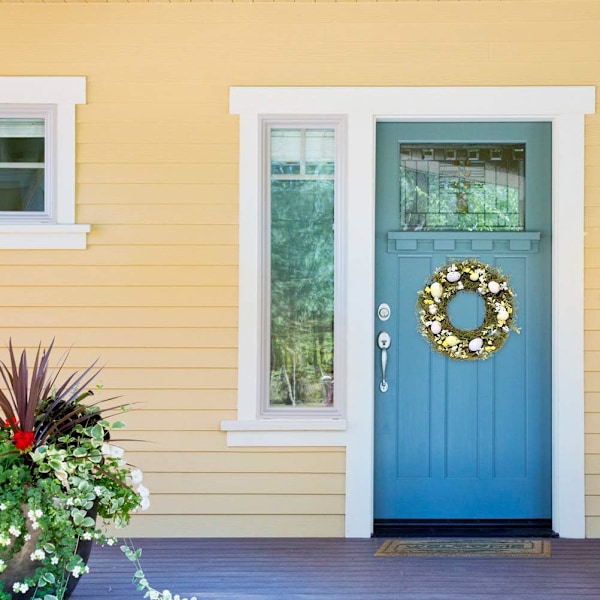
(565, 107)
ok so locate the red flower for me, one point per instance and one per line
(11, 421)
(24, 440)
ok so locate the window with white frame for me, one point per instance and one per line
(37, 163)
(301, 197)
(291, 280)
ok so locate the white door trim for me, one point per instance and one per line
(565, 107)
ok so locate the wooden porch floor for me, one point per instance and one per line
(338, 569)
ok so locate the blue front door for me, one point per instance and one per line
(463, 439)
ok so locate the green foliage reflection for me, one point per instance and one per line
(302, 288)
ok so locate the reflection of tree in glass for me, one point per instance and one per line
(302, 255)
(428, 202)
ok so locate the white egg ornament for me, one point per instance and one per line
(435, 289)
(474, 276)
(503, 315)
(435, 327)
(453, 276)
(432, 309)
(494, 287)
(476, 344)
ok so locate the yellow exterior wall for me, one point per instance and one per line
(155, 293)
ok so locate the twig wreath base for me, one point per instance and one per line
(472, 276)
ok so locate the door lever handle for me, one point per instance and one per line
(384, 341)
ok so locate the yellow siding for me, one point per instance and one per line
(155, 294)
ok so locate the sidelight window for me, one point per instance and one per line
(301, 196)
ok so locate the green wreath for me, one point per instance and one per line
(466, 344)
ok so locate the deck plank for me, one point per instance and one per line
(338, 569)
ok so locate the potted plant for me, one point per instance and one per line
(63, 481)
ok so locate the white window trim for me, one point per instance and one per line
(565, 108)
(57, 96)
(253, 415)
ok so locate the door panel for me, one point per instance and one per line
(464, 439)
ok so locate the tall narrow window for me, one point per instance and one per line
(22, 167)
(302, 194)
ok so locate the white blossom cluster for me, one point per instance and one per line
(135, 476)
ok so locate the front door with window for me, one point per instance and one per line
(454, 438)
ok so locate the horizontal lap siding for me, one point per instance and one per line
(155, 293)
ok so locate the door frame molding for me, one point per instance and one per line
(362, 107)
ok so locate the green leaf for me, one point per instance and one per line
(118, 425)
(98, 432)
(49, 577)
(78, 516)
(88, 522)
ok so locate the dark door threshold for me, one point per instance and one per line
(510, 528)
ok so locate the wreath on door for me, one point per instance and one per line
(468, 275)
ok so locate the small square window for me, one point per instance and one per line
(37, 163)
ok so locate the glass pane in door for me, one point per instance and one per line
(462, 187)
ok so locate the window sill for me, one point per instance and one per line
(46, 236)
(286, 432)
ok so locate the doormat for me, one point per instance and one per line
(461, 547)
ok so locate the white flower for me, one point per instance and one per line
(20, 588)
(98, 490)
(14, 531)
(136, 476)
(78, 571)
(4, 540)
(37, 555)
(143, 491)
(27, 537)
(112, 451)
(111, 542)
(2, 565)
(145, 503)
(2, 506)
(54, 560)
(87, 536)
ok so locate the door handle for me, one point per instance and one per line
(384, 341)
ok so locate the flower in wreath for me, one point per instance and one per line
(469, 275)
